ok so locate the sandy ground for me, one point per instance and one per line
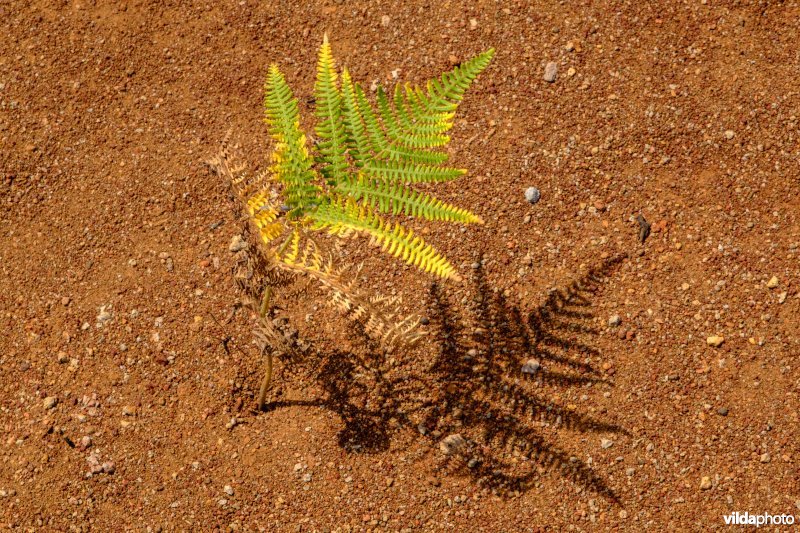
(127, 382)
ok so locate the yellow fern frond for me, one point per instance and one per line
(346, 215)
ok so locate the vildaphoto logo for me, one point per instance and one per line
(758, 520)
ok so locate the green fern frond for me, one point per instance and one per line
(445, 93)
(357, 139)
(400, 172)
(344, 216)
(368, 154)
(330, 129)
(424, 135)
(292, 164)
(378, 139)
(396, 198)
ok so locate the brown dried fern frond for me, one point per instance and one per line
(280, 250)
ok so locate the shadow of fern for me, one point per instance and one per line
(361, 397)
(475, 387)
(482, 394)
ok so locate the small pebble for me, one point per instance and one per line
(532, 195)
(228, 490)
(550, 72)
(705, 483)
(531, 367)
(103, 316)
(50, 402)
(729, 134)
(237, 244)
(773, 282)
(722, 411)
(715, 341)
(385, 20)
(606, 443)
(765, 458)
(452, 444)
(644, 228)
(614, 320)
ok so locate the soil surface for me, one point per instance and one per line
(128, 379)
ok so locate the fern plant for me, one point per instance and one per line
(357, 180)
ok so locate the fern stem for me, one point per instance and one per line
(265, 383)
(262, 312)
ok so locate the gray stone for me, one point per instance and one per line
(532, 195)
(550, 72)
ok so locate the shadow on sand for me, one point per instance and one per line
(475, 387)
